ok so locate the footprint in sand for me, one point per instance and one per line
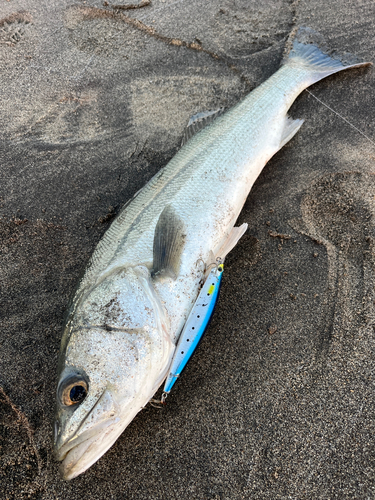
(339, 212)
(13, 27)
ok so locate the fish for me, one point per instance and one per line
(145, 275)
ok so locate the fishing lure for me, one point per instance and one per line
(195, 326)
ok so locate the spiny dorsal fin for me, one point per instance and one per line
(199, 121)
(169, 241)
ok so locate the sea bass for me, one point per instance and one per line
(146, 272)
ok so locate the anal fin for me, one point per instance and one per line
(291, 127)
(231, 241)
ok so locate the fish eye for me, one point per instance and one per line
(73, 391)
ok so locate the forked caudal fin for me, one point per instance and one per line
(310, 52)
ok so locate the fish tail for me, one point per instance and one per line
(310, 52)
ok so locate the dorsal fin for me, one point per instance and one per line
(199, 121)
(169, 241)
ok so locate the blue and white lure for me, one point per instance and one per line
(195, 326)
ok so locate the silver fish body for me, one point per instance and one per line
(144, 275)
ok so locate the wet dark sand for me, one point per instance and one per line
(278, 402)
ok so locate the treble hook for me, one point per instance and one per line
(155, 403)
(217, 264)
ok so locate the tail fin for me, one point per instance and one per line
(310, 52)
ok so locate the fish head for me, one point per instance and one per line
(115, 353)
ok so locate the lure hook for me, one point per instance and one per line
(155, 403)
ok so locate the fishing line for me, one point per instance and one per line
(338, 114)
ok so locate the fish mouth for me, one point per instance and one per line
(85, 447)
(78, 454)
(91, 440)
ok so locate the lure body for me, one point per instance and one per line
(195, 326)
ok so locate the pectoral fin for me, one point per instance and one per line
(169, 241)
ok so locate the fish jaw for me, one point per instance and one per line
(91, 439)
(97, 433)
(86, 448)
